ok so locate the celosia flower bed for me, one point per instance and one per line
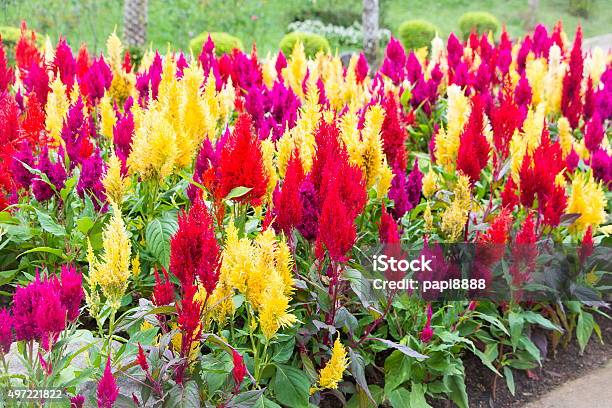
(196, 231)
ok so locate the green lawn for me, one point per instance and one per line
(176, 21)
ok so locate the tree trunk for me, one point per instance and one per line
(370, 30)
(135, 23)
(533, 13)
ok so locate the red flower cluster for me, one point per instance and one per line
(41, 309)
(524, 254)
(571, 97)
(287, 201)
(427, 332)
(241, 164)
(189, 315)
(194, 250)
(341, 194)
(163, 291)
(537, 177)
(394, 135)
(239, 370)
(6, 331)
(473, 154)
(108, 391)
(505, 119)
(7, 76)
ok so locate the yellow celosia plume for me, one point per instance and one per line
(456, 214)
(447, 140)
(332, 373)
(115, 185)
(56, 109)
(587, 199)
(113, 271)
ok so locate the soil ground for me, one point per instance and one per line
(566, 366)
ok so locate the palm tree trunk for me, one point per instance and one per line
(370, 30)
(135, 23)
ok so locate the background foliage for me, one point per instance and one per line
(178, 21)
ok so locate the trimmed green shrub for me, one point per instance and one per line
(313, 43)
(224, 42)
(10, 36)
(416, 33)
(480, 21)
(580, 8)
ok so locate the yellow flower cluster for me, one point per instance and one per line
(56, 110)
(123, 82)
(107, 117)
(301, 136)
(447, 140)
(262, 271)
(296, 68)
(111, 274)
(170, 130)
(430, 184)
(456, 214)
(332, 373)
(528, 140)
(566, 140)
(366, 150)
(587, 199)
(268, 152)
(115, 185)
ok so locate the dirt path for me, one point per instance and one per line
(603, 41)
(592, 390)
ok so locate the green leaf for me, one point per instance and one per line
(536, 318)
(283, 351)
(7, 276)
(521, 364)
(70, 183)
(531, 348)
(215, 371)
(57, 252)
(158, 234)
(361, 286)
(404, 349)
(487, 360)
(515, 320)
(291, 386)
(458, 394)
(263, 402)
(84, 224)
(399, 398)
(49, 225)
(584, 329)
(361, 400)
(237, 192)
(417, 397)
(509, 379)
(186, 396)
(405, 97)
(245, 399)
(357, 368)
(344, 318)
(397, 370)
(495, 322)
